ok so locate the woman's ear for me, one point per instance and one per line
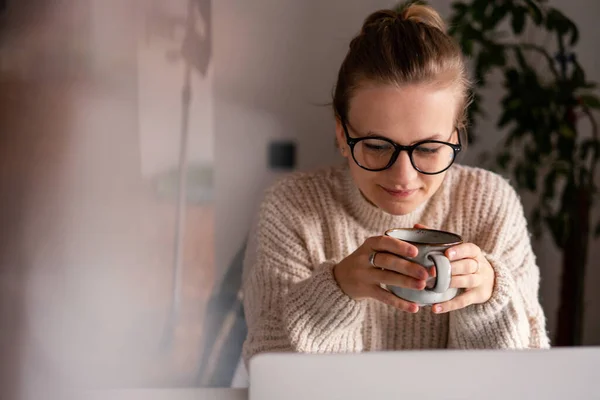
(340, 138)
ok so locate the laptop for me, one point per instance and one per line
(428, 374)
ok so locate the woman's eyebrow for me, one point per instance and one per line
(435, 136)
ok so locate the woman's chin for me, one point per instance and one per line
(398, 209)
(395, 203)
(399, 206)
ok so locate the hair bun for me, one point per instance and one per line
(424, 15)
(417, 13)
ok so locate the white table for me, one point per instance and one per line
(167, 394)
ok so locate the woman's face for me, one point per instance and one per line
(405, 115)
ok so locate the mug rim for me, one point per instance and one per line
(458, 241)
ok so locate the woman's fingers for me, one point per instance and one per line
(461, 301)
(466, 281)
(395, 279)
(420, 226)
(464, 250)
(464, 274)
(465, 266)
(391, 245)
(394, 263)
(392, 300)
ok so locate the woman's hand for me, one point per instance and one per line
(470, 271)
(359, 279)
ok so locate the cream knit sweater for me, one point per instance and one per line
(308, 222)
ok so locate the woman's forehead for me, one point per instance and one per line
(391, 111)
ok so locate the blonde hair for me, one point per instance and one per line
(409, 46)
(424, 15)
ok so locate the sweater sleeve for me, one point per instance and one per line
(513, 317)
(289, 303)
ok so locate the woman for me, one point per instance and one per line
(310, 284)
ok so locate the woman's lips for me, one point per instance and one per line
(401, 194)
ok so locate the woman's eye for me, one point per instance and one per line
(377, 146)
(427, 149)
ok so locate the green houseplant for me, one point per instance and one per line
(552, 146)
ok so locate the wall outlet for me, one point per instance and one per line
(282, 154)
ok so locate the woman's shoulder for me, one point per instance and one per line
(486, 181)
(481, 204)
(302, 189)
(481, 189)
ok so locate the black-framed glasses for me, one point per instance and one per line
(429, 157)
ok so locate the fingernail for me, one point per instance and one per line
(451, 254)
(437, 309)
(415, 309)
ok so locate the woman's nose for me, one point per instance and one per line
(403, 169)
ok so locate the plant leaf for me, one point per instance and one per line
(549, 183)
(534, 11)
(574, 34)
(506, 117)
(514, 104)
(559, 22)
(556, 21)
(518, 20)
(498, 14)
(496, 55)
(526, 175)
(566, 131)
(520, 58)
(478, 9)
(503, 159)
(557, 224)
(531, 177)
(519, 173)
(467, 47)
(459, 7)
(512, 76)
(590, 100)
(578, 75)
(587, 146)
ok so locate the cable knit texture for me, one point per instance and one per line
(308, 222)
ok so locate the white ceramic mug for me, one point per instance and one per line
(431, 244)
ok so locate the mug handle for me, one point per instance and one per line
(443, 271)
